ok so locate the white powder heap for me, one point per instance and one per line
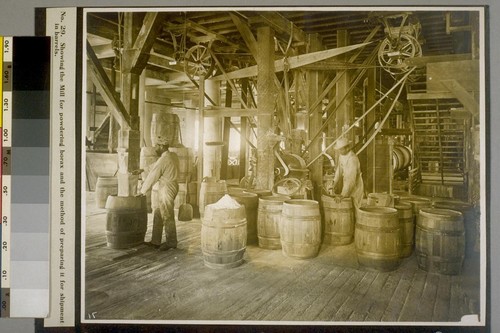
(226, 202)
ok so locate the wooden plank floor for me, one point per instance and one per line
(145, 284)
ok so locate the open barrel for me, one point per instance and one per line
(223, 236)
(339, 220)
(378, 238)
(210, 192)
(126, 221)
(105, 186)
(300, 228)
(268, 219)
(440, 241)
(250, 201)
(407, 224)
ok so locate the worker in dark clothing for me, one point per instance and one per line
(164, 171)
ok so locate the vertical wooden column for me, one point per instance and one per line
(212, 131)
(345, 112)
(243, 131)
(226, 135)
(129, 139)
(314, 79)
(266, 92)
(369, 176)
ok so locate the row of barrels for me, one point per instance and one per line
(387, 233)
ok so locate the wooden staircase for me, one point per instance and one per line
(439, 141)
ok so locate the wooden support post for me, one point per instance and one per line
(201, 94)
(266, 90)
(212, 133)
(226, 135)
(345, 112)
(243, 131)
(314, 80)
(370, 119)
(129, 139)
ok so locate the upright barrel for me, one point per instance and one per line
(405, 216)
(378, 238)
(185, 156)
(417, 203)
(339, 220)
(105, 186)
(126, 221)
(250, 201)
(165, 125)
(380, 199)
(211, 191)
(223, 236)
(471, 223)
(300, 228)
(440, 241)
(268, 219)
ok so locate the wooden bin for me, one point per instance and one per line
(300, 228)
(339, 220)
(223, 236)
(378, 238)
(268, 219)
(440, 241)
(250, 201)
(126, 221)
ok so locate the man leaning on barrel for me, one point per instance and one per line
(348, 174)
(165, 172)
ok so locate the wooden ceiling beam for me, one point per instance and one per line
(106, 89)
(143, 43)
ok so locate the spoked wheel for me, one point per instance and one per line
(393, 52)
(198, 62)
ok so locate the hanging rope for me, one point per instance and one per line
(386, 116)
(403, 79)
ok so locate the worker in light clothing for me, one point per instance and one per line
(164, 171)
(348, 174)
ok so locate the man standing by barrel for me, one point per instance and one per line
(348, 174)
(164, 171)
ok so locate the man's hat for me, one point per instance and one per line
(341, 143)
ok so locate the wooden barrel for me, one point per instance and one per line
(185, 156)
(339, 220)
(407, 224)
(211, 191)
(126, 221)
(300, 228)
(223, 236)
(440, 241)
(380, 199)
(377, 238)
(268, 219)
(105, 186)
(236, 190)
(401, 157)
(250, 201)
(417, 203)
(260, 192)
(147, 159)
(471, 223)
(165, 125)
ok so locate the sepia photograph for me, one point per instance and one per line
(284, 166)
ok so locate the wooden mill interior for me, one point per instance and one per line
(255, 100)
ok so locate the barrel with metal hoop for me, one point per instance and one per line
(339, 220)
(300, 228)
(440, 241)
(377, 238)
